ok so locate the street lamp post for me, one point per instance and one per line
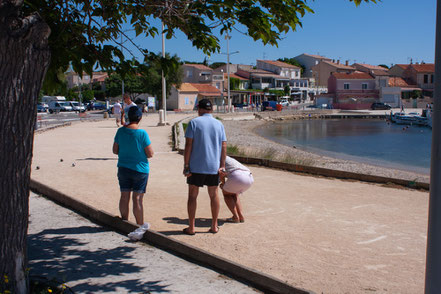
(228, 37)
(164, 88)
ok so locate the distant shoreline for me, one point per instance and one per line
(242, 135)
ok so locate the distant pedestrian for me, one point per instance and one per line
(128, 103)
(116, 110)
(133, 147)
(235, 180)
(204, 156)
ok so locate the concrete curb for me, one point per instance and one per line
(332, 173)
(256, 279)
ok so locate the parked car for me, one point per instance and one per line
(96, 106)
(57, 106)
(76, 106)
(269, 105)
(380, 105)
(41, 108)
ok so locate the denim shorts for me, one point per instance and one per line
(132, 180)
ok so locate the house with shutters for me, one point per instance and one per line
(422, 75)
(323, 70)
(354, 90)
(186, 97)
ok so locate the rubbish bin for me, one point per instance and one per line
(279, 107)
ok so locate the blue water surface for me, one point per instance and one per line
(370, 141)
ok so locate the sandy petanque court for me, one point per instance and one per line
(321, 234)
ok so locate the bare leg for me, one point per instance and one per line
(138, 209)
(231, 204)
(215, 206)
(193, 192)
(239, 208)
(124, 205)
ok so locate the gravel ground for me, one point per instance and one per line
(242, 135)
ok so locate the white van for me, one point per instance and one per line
(57, 106)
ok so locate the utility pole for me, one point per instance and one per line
(164, 88)
(122, 80)
(228, 37)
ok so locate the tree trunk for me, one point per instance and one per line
(24, 59)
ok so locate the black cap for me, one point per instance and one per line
(205, 104)
(135, 114)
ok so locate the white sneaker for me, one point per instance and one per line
(137, 234)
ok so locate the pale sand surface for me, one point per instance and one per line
(321, 234)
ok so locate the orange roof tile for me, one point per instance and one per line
(370, 66)
(397, 82)
(352, 76)
(198, 66)
(425, 67)
(232, 75)
(206, 89)
(187, 87)
(279, 63)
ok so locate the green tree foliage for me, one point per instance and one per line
(292, 61)
(234, 83)
(215, 65)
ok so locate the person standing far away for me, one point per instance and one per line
(117, 112)
(133, 147)
(128, 103)
(204, 157)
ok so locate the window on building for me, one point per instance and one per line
(426, 79)
(431, 79)
(187, 100)
(364, 86)
(189, 74)
(346, 86)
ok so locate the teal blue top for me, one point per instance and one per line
(131, 152)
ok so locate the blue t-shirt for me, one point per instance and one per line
(131, 152)
(208, 134)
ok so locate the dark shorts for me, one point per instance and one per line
(203, 179)
(131, 180)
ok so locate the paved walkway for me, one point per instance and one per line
(320, 234)
(91, 259)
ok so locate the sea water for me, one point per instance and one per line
(371, 141)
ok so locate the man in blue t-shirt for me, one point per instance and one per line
(204, 156)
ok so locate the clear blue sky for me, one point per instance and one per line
(389, 32)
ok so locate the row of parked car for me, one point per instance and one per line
(65, 106)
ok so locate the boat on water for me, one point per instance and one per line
(411, 118)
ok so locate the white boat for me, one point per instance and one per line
(411, 118)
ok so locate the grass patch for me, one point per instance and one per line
(185, 125)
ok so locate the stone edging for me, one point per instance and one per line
(254, 278)
(332, 173)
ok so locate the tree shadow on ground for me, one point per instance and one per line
(57, 253)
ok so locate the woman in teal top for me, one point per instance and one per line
(133, 147)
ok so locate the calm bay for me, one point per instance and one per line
(371, 141)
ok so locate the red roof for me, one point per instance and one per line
(397, 82)
(206, 89)
(370, 66)
(198, 66)
(279, 63)
(232, 75)
(425, 67)
(352, 76)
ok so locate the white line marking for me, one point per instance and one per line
(372, 241)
